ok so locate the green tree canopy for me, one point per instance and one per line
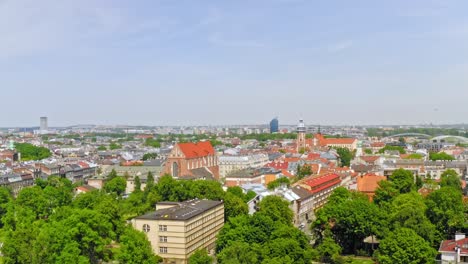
(440, 156)
(450, 178)
(200, 257)
(403, 180)
(30, 152)
(405, 246)
(136, 249)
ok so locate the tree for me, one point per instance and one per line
(450, 178)
(117, 185)
(102, 148)
(278, 183)
(405, 246)
(445, 210)
(150, 142)
(30, 152)
(349, 226)
(409, 211)
(112, 175)
(345, 156)
(114, 146)
(240, 253)
(200, 257)
(149, 180)
(137, 184)
(303, 171)
(403, 180)
(136, 249)
(392, 148)
(276, 208)
(414, 156)
(234, 206)
(368, 151)
(149, 156)
(328, 250)
(440, 156)
(385, 192)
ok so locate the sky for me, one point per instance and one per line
(185, 62)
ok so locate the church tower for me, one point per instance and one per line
(301, 136)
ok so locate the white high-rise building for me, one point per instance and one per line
(44, 125)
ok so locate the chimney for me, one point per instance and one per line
(459, 236)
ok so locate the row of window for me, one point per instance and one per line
(146, 228)
(200, 222)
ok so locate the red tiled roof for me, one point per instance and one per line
(317, 181)
(377, 144)
(449, 246)
(196, 150)
(340, 141)
(369, 182)
(369, 159)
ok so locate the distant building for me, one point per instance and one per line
(228, 164)
(192, 160)
(454, 251)
(321, 187)
(44, 126)
(301, 136)
(177, 230)
(274, 125)
(252, 176)
(368, 183)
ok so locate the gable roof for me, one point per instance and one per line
(369, 182)
(196, 150)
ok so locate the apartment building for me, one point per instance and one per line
(228, 164)
(177, 229)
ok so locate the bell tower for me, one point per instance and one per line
(301, 136)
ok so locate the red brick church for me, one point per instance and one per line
(193, 160)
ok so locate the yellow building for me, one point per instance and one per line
(176, 230)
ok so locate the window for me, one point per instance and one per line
(163, 239)
(146, 228)
(162, 249)
(163, 228)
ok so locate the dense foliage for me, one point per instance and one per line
(440, 156)
(393, 148)
(409, 226)
(265, 237)
(345, 156)
(31, 152)
(150, 142)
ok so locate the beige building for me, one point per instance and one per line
(176, 230)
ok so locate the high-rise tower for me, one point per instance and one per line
(274, 125)
(301, 136)
(44, 126)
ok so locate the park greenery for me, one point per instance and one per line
(392, 148)
(414, 156)
(149, 156)
(408, 225)
(345, 156)
(31, 152)
(48, 223)
(151, 142)
(440, 156)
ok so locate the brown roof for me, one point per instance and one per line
(369, 182)
(196, 150)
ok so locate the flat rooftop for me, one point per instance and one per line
(182, 210)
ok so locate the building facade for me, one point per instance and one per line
(274, 125)
(228, 164)
(188, 160)
(301, 136)
(177, 230)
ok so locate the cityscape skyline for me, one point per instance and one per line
(169, 63)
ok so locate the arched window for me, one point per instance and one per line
(175, 169)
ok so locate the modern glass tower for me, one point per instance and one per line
(274, 125)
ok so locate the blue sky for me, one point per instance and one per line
(168, 62)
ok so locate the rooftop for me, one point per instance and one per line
(182, 211)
